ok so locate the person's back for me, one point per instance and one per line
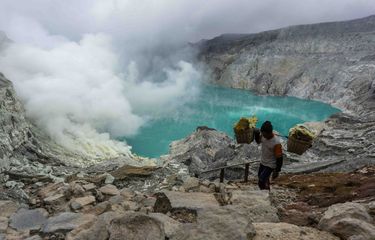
(271, 150)
(272, 156)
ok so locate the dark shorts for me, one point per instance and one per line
(264, 174)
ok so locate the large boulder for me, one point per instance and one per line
(217, 223)
(170, 225)
(111, 225)
(135, 226)
(98, 230)
(255, 205)
(348, 220)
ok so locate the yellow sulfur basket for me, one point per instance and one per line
(298, 146)
(244, 130)
(245, 136)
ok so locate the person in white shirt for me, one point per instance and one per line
(272, 155)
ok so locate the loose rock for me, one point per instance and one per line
(136, 226)
(67, 221)
(26, 219)
(109, 190)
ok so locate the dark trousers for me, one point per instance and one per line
(264, 174)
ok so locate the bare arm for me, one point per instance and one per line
(279, 157)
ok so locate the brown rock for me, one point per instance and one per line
(170, 225)
(130, 205)
(289, 231)
(51, 189)
(16, 235)
(136, 226)
(109, 190)
(67, 221)
(3, 224)
(168, 201)
(7, 208)
(127, 193)
(191, 183)
(89, 187)
(206, 189)
(76, 189)
(99, 208)
(55, 199)
(78, 203)
(97, 230)
(128, 170)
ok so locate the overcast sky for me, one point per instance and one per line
(167, 20)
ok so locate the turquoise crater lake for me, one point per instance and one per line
(220, 108)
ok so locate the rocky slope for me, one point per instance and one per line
(330, 62)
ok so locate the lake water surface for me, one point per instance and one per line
(220, 108)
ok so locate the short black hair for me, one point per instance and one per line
(266, 127)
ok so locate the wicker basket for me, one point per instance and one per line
(244, 136)
(297, 146)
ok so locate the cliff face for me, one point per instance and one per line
(23, 148)
(14, 130)
(330, 62)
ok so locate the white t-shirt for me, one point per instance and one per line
(268, 151)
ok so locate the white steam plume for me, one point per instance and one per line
(74, 89)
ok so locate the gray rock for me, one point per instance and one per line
(35, 237)
(169, 201)
(67, 221)
(255, 205)
(109, 179)
(348, 220)
(26, 219)
(136, 226)
(206, 149)
(191, 183)
(217, 223)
